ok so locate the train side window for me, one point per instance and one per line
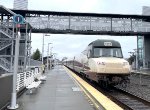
(112, 53)
(97, 52)
(84, 52)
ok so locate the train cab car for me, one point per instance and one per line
(102, 61)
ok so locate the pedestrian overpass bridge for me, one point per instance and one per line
(86, 23)
(81, 23)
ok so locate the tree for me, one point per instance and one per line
(36, 55)
(64, 58)
(131, 59)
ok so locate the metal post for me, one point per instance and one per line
(136, 59)
(14, 105)
(54, 54)
(50, 57)
(30, 47)
(140, 78)
(90, 23)
(43, 50)
(43, 47)
(111, 25)
(26, 49)
(144, 52)
(69, 23)
(12, 50)
(137, 53)
(131, 25)
(47, 56)
(50, 63)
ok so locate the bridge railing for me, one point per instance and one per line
(88, 24)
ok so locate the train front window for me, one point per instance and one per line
(107, 52)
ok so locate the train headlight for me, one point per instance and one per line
(125, 63)
(101, 63)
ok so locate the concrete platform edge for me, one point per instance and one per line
(96, 103)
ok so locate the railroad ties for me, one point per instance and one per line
(123, 98)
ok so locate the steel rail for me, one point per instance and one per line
(126, 100)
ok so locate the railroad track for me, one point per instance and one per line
(126, 100)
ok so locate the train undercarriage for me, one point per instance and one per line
(108, 79)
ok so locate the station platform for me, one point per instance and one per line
(59, 92)
(142, 71)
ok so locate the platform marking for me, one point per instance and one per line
(87, 95)
(98, 96)
(76, 89)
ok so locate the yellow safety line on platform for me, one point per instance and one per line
(96, 105)
(102, 99)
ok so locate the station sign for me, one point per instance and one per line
(107, 43)
(18, 19)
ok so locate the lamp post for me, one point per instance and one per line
(17, 20)
(48, 55)
(136, 53)
(13, 104)
(43, 47)
(54, 54)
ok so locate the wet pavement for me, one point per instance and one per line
(59, 92)
(142, 71)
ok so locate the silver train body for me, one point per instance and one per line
(102, 61)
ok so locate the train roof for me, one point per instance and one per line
(105, 43)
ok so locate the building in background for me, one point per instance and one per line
(20, 4)
(146, 10)
(143, 53)
(140, 50)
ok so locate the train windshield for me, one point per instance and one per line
(107, 52)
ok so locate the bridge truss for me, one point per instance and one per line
(86, 23)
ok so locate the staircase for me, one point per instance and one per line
(4, 44)
(5, 64)
(5, 30)
(6, 36)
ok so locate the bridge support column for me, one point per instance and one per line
(146, 51)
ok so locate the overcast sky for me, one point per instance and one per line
(70, 45)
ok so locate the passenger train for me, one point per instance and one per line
(102, 61)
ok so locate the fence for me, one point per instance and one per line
(27, 77)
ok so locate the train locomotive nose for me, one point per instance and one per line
(111, 66)
(97, 66)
